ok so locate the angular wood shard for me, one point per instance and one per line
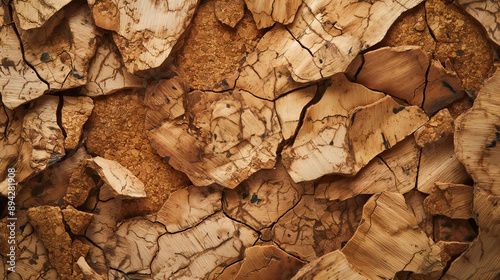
(263, 198)
(107, 73)
(196, 252)
(34, 13)
(439, 126)
(266, 13)
(289, 108)
(75, 112)
(477, 137)
(61, 50)
(333, 265)
(322, 40)
(187, 207)
(229, 12)
(145, 31)
(452, 200)
(341, 135)
(18, 82)
(120, 179)
(388, 240)
(316, 226)
(77, 221)
(487, 13)
(394, 170)
(267, 263)
(213, 137)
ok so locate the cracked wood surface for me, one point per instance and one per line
(266, 13)
(452, 200)
(388, 229)
(61, 50)
(213, 137)
(19, 83)
(347, 128)
(290, 107)
(322, 40)
(477, 137)
(487, 13)
(34, 13)
(144, 31)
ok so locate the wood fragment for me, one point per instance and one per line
(452, 200)
(438, 127)
(289, 108)
(213, 137)
(477, 137)
(379, 236)
(88, 271)
(267, 263)
(77, 221)
(229, 12)
(33, 14)
(140, 28)
(74, 114)
(266, 13)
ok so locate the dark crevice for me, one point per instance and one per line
(393, 174)
(59, 115)
(22, 47)
(426, 82)
(291, 254)
(355, 77)
(431, 32)
(418, 168)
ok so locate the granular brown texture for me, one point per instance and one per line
(116, 131)
(447, 32)
(213, 50)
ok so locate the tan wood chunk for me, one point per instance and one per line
(438, 163)
(486, 211)
(187, 207)
(415, 203)
(194, 253)
(477, 137)
(333, 265)
(388, 240)
(322, 40)
(266, 13)
(264, 197)
(107, 73)
(88, 271)
(77, 221)
(145, 31)
(438, 127)
(289, 108)
(49, 226)
(229, 12)
(102, 227)
(316, 226)
(487, 13)
(394, 170)
(119, 180)
(34, 13)
(452, 200)
(443, 87)
(218, 138)
(19, 83)
(62, 49)
(268, 263)
(11, 124)
(74, 114)
(228, 272)
(451, 249)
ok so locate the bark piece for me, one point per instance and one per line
(19, 83)
(263, 198)
(477, 137)
(289, 108)
(120, 179)
(33, 14)
(218, 138)
(322, 40)
(439, 126)
(452, 200)
(487, 13)
(77, 221)
(372, 249)
(107, 73)
(340, 135)
(48, 224)
(196, 252)
(268, 262)
(62, 49)
(316, 227)
(266, 13)
(229, 12)
(75, 112)
(187, 207)
(438, 163)
(393, 170)
(333, 265)
(408, 73)
(145, 31)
